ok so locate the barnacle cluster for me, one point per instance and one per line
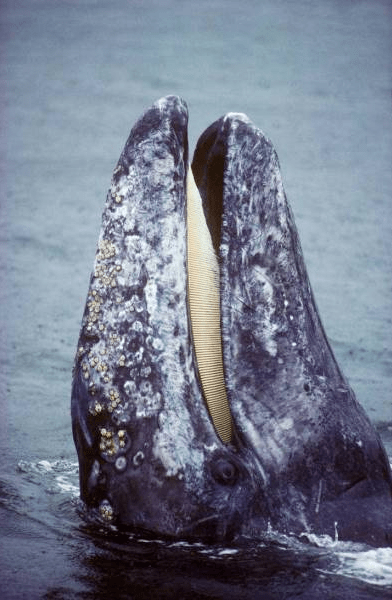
(94, 307)
(85, 369)
(107, 444)
(114, 398)
(95, 363)
(106, 275)
(106, 250)
(99, 365)
(106, 510)
(110, 442)
(97, 407)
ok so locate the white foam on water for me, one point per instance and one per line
(66, 487)
(371, 566)
(349, 559)
(45, 466)
(62, 474)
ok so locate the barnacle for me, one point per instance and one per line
(106, 510)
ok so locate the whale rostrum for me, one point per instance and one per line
(206, 400)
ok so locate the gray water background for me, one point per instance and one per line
(315, 76)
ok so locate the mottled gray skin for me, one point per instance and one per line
(304, 457)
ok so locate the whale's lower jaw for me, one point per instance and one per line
(283, 443)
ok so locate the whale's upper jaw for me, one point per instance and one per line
(149, 454)
(137, 406)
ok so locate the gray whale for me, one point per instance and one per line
(302, 456)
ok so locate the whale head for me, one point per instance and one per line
(206, 400)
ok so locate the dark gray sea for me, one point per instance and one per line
(315, 76)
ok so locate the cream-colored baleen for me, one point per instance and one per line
(204, 306)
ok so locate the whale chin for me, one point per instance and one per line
(206, 400)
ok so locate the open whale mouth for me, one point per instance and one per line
(206, 398)
(197, 296)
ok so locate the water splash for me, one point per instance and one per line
(371, 566)
(59, 476)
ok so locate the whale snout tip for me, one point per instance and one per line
(172, 104)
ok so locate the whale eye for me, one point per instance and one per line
(225, 472)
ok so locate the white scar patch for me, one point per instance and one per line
(204, 306)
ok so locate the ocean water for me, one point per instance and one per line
(316, 78)
(51, 550)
